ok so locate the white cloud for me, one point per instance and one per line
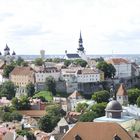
(30, 25)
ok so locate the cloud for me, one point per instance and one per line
(55, 25)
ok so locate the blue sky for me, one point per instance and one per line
(107, 26)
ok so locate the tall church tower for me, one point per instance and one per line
(80, 49)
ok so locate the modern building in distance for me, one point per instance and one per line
(42, 54)
(80, 52)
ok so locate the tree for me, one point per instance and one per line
(80, 62)
(7, 70)
(50, 85)
(8, 90)
(81, 107)
(88, 116)
(138, 101)
(99, 109)
(25, 64)
(108, 69)
(47, 123)
(21, 104)
(15, 116)
(19, 61)
(133, 94)
(39, 62)
(67, 62)
(6, 117)
(55, 110)
(101, 96)
(28, 134)
(30, 89)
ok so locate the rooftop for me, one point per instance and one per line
(118, 61)
(97, 131)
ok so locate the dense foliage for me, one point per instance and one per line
(101, 96)
(7, 89)
(108, 69)
(48, 122)
(81, 107)
(7, 70)
(88, 116)
(99, 109)
(38, 62)
(28, 134)
(133, 94)
(30, 89)
(50, 85)
(21, 104)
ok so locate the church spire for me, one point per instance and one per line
(81, 48)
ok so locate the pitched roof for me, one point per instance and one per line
(97, 131)
(73, 55)
(74, 95)
(117, 61)
(122, 91)
(88, 71)
(22, 71)
(62, 122)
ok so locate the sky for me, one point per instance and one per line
(107, 26)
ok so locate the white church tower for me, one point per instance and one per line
(80, 49)
(122, 96)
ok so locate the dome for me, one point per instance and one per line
(113, 105)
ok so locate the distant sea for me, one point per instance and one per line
(131, 57)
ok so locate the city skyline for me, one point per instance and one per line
(107, 27)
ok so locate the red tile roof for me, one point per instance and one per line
(118, 61)
(22, 71)
(97, 131)
(122, 91)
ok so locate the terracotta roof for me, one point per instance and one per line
(97, 131)
(74, 95)
(122, 91)
(118, 61)
(88, 71)
(22, 71)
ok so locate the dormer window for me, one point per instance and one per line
(116, 137)
(77, 137)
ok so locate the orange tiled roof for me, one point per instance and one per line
(22, 71)
(117, 61)
(122, 91)
(97, 131)
(74, 95)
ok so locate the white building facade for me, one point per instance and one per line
(122, 66)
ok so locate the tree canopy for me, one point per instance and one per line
(7, 70)
(19, 61)
(50, 85)
(38, 62)
(88, 116)
(101, 96)
(80, 62)
(108, 69)
(7, 89)
(21, 104)
(30, 89)
(28, 134)
(48, 122)
(133, 94)
(81, 107)
(99, 109)
(138, 101)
